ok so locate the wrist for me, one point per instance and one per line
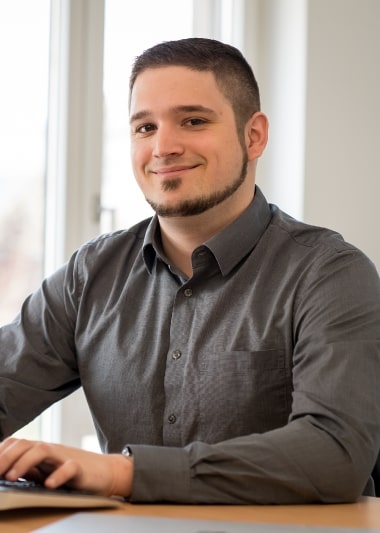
(123, 475)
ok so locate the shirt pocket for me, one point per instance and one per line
(243, 393)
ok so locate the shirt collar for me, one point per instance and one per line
(229, 246)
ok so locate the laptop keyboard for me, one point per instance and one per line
(23, 484)
(24, 493)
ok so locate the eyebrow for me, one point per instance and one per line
(177, 109)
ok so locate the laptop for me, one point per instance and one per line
(101, 523)
(22, 493)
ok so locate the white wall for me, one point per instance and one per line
(281, 72)
(318, 66)
(342, 172)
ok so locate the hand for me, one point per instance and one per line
(55, 465)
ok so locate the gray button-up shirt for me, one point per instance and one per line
(256, 380)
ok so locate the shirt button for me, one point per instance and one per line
(176, 354)
(172, 419)
(188, 293)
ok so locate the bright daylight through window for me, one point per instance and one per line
(24, 60)
(24, 30)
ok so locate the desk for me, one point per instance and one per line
(365, 514)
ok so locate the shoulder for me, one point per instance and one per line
(108, 254)
(116, 242)
(317, 253)
(297, 240)
(307, 236)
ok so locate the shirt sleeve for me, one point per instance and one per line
(37, 352)
(326, 451)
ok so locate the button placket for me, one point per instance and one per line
(176, 371)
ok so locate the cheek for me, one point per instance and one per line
(139, 156)
(229, 159)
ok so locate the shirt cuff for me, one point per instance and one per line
(160, 474)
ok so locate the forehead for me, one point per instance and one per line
(172, 86)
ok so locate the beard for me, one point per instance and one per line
(196, 206)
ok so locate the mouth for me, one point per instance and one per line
(170, 172)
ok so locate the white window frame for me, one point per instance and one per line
(74, 160)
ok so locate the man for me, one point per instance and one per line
(232, 352)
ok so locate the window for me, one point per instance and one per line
(24, 60)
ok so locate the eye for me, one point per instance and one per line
(145, 128)
(195, 122)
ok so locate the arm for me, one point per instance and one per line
(37, 352)
(327, 450)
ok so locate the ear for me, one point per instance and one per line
(256, 135)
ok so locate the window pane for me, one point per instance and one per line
(24, 62)
(24, 54)
(130, 28)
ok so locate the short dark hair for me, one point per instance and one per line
(231, 70)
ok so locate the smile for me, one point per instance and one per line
(171, 171)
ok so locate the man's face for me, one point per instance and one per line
(186, 153)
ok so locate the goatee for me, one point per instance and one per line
(201, 204)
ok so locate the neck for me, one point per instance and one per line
(182, 235)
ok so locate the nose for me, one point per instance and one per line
(167, 141)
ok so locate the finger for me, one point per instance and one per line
(11, 450)
(64, 474)
(34, 474)
(27, 456)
